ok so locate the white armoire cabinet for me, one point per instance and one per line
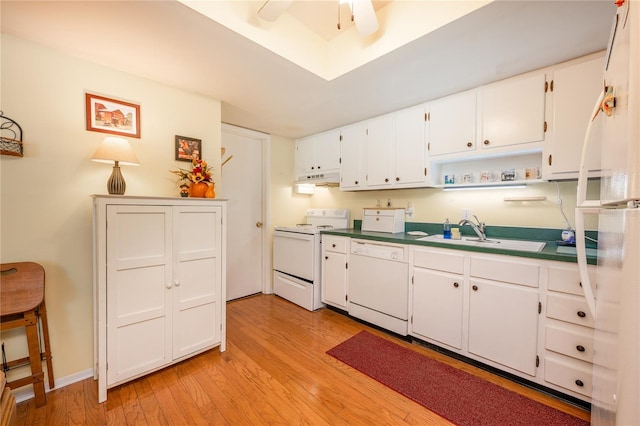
(159, 283)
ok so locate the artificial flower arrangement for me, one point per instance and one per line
(200, 172)
(199, 178)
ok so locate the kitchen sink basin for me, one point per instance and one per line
(519, 245)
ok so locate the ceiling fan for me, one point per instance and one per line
(362, 13)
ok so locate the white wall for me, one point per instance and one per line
(46, 205)
(286, 207)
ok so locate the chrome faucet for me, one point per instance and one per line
(480, 228)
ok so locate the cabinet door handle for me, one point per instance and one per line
(475, 288)
(318, 167)
(356, 182)
(386, 180)
(258, 224)
(486, 142)
(579, 383)
(581, 314)
(169, 284)
(580, 348)
(456, 285)
(469, 144)
(177, 283)
(397, 179)
(326, 258)
(550, 159)
(333, 245)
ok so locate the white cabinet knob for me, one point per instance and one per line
(169, 285)
(177, 283)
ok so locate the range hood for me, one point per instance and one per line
(326, 179)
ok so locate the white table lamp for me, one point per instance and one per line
(119, 151)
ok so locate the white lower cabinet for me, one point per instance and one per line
(503, 324)
(525, 316)
(569, 335)
(437, 307)
(335, 252)
(504, 311)
(159, 283)
(437, 297)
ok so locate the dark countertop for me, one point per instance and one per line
(549, 236)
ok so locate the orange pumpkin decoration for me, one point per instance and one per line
(198, 189)
(211, 192)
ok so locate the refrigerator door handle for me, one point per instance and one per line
(581, 251)
(585, 206)
(584, 170)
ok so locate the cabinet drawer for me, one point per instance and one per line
(569, 308)
(508, 271)
(570, 340)
(569, 373)
(567, 279)
(438, 260)
(335, 244)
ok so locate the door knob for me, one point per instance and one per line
(258, 224)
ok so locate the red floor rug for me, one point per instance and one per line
(457, 396)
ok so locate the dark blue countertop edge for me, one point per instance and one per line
(547, 235)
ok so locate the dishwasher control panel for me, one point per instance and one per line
(394, 252)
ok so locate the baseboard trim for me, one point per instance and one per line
(25, 393)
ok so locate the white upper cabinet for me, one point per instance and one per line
(452, 124)
(512, 112)
(574, 92)
(519, 125)
(397, 149)
(380, 151)
(352, 156)
(410, 127)
(317, 155)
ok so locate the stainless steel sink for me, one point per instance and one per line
(519, 245)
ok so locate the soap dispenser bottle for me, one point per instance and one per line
(446, 231)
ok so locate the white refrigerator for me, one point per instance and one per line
(614, 297)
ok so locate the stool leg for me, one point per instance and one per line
(47, 345)
(34, 358)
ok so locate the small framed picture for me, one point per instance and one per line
(188, 149)
(108, 115)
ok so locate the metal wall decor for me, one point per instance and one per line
(10, 137)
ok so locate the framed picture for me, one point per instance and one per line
(112, 116)
(188, 149)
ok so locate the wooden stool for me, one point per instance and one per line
(21, 303)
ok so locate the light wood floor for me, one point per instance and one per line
(275, 371)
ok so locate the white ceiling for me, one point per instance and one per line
(172, 43)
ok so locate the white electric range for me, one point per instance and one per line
(297, 254)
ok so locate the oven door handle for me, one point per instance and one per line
(293, 235)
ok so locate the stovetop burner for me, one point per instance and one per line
(319, 219)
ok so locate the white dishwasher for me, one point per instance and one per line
(379, 284)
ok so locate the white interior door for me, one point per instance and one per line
(243, 185)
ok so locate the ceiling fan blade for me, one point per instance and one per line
(365, 17)
(272, 9)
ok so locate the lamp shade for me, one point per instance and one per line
(115, 149)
